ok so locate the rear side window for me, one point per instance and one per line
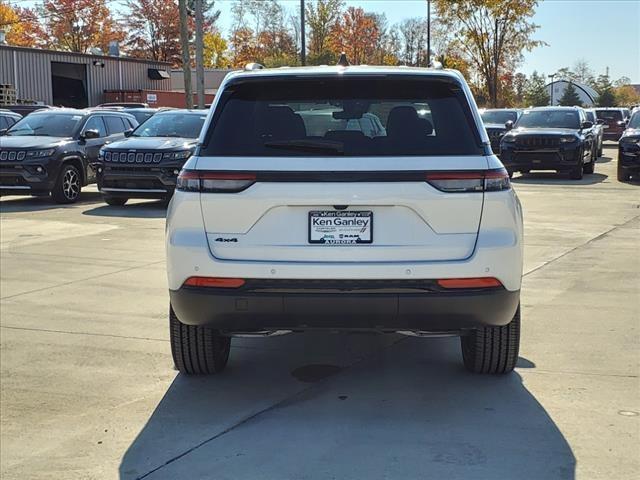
(115, 125)
(95, 123)
(350, 116)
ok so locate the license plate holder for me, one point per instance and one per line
(336, 227)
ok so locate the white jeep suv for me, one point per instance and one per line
(289, 218)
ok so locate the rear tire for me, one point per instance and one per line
(492, 349)
(197, 350)
(68, 185)
(115, 201)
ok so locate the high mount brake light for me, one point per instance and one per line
(465, 182)
(481, 282)
(214, 182)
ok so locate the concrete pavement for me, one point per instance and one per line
(88, 389)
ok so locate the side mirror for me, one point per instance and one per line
(3, 132)
(600, 121)
(90, 134)
(127, 133)
(508, 125)
(586, 125)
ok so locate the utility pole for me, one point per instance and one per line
(428, 33)
(186, 58)
(200, 52)
(303, 47)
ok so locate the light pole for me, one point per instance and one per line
(552, 76)
(303, 47)
(428, 33)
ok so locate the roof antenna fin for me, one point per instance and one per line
(343, 62)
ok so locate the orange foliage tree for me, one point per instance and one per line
(356, 34)
(79, 25)
(21, 26)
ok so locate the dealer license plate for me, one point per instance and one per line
(340, 227)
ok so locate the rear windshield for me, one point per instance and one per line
(343, 116)
(609, 115)
(183, 125)
(549, 119)
(498, 116)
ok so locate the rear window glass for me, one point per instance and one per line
(498, 116)
(343, 116)
(609, 115)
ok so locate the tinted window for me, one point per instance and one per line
(549, 119)
(590, 116)
(141, 117)
(336, 116)
(47, 124)
(609, 115)
(185, 125)
(96, 123)
(4, 122)
(115, 125)
(635, 120)
(498, 116)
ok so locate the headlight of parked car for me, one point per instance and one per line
(182, 155)
(40, 153)
(568, 139)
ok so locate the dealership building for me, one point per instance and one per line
(78, 80)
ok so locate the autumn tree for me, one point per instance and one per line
(535, 92)
(356, 34)
(21, 26)
(570, 97)
(626, 95)
(493, 34)
(321, 18)
(413, 33)
(215, 50)
(79, 25)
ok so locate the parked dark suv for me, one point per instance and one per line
(629, 150)
(550, 138)
(51, 151)
(494, 121)
(146, 164)
(614, 122)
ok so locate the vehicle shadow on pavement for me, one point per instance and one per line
(407, 410)
(552, 178)
(137, 210)
(18, 204)
(604, 160)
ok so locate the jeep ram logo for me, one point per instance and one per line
(220, 239)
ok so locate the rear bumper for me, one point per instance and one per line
(354, 305)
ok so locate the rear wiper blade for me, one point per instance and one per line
(308, 145)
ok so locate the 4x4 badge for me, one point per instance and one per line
(220, 239)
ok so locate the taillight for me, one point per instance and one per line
(214, 182)
(480, 282)
(214, 282)
(458, 182)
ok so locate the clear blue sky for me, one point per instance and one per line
(605, 33)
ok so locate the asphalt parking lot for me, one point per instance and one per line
(88, 388)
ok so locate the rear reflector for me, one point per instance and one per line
(214, 282)
(214, 182)
(460, 181)
(482, 282)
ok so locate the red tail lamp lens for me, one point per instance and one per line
(214, 282)
(482, 282)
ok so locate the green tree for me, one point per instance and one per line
(535, 91)
(570, 97)
(606, 93)
(492, 33)
(321, 17)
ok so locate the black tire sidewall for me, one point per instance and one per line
(57, 193)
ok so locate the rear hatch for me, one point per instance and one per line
(283, 179)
